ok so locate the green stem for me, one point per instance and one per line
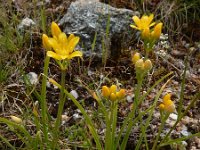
(140, 77)
(60, 110)
(163, 120)
(113, 122)
(182, 89)
(181, 139)
(43, 100)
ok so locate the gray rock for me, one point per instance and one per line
(87, 18)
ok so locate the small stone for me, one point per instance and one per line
(187, 45)
(48, 84)
(101, 76)
(173, 116)
(184, 143)
(186, 120)
(90, 73)
(185, 133)
(129, 98)
(74, 93)
(65, 118)
(191, 49)
(31, 78)
(76, 116)
(26, 22)
(188, 74)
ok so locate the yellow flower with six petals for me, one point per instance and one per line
(63, 46)
(143, 23)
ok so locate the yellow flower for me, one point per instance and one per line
(105, 91)
(55, 30)
(139, 65)
(144, 66)
(143, 23)
(147, 65)
(113, 89)
(16, 119)
(167, 104)
(112, 93)
(145, 33)
(121, 94)
(45, 42)
(135, 57)
(113, 97)
(63, 46)
(157, 31)
(162, 107)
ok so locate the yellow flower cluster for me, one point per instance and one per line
(140, 64)
(144, 25)
(167, 104)
(63, 46)
(112, 93)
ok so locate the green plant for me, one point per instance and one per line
(61, 48)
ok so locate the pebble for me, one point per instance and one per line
(173, 116)
(26, 22)
(32, 77)
(74, 93)
(76, 116)
(129, 98)
(65, 118)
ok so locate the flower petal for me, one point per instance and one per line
(62, 38)
(150, 18)
(166, 98)
(45, 42)
(72, 44)
(75, 54)
(137, 21)
(133, 26)
(71, 36)
(54, 43)
(54, 55)
(157, 30)
(55, 30)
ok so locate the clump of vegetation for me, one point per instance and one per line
(61, 48)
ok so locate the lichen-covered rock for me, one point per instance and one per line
(91, 18)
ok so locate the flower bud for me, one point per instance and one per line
(16, 119)
(147, 65)
(166, 98)
(169, 106)
(135, 57)
(113, 97)
(105, 91)
(145, 33)
(45, 42)
(113, 89)
(157, 31)
(162, 107)
(139, 64)
(121, 94)
(94, 95)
